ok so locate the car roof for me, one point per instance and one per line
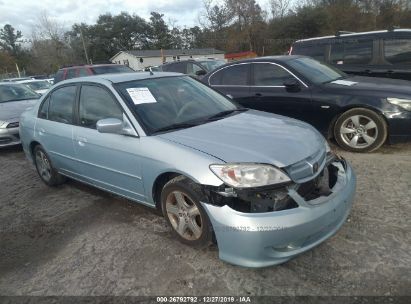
(396, 31)
(122, 77)
(90, 65)
(32, 80)
(282, 58)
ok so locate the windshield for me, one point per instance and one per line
(38, 85)
(15, 92)
(315, 71)
(108, 69)
(161, 103)
(211, 64)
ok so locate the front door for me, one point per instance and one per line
(108, 161)
(268, 92)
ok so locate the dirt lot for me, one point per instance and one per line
(76, 240)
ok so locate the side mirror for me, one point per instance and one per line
(201, 73)
(292, 85)
(110, 125)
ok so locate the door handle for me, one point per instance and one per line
(258, 94)
(81, 141)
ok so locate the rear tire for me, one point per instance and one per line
(360, 130)
(45, 169)
(180, 203)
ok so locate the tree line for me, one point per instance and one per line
(228, 25)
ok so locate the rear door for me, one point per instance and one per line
(233, 81)
(54, 128)
(106, 160)
(353, 55)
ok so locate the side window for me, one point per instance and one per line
(315, 51)
(71, 73)
(61, 104)
(357, 51)
(337, 53)
(397, 51)
(193, 68)
(269, 75)
(82, 72)
(233, 75)
(95, 104)
(44, 109)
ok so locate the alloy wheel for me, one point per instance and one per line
(359, 131)
(184, 216)
(43, 165)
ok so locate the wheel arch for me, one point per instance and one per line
(32, 145)
(159, 183)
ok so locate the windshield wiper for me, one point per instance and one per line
(225, 113)
(176, 126)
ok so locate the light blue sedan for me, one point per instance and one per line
(264, 187)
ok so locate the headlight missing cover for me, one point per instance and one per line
(249, 175)
(401, 102)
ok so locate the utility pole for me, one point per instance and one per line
(18, 71)
(84, 45)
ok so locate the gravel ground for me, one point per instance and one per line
(76, 240)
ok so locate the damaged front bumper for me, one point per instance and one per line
(270, 238)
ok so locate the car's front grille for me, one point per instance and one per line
(13, 125)
(308, 168)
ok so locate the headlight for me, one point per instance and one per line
(249, 175)
(403, 103)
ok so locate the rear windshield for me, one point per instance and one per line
(107, 69)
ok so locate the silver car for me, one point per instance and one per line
(14, 99)
(264, 187)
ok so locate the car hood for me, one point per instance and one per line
(12, 110)
(379, 86)
(252, 136)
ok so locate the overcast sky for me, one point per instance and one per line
(22, 14)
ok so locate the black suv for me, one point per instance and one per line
(378, 54)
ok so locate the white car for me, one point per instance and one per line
(40, 86)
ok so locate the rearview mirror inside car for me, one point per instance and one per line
(292, 85)
(110, 125)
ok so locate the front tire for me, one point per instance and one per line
(45, 169)
(180, 203)
(360, 130)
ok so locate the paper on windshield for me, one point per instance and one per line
(141, 95)
(344, 82)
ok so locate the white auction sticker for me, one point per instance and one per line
(141, 95)
(344, 82)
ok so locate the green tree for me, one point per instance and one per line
(160, 37)
(9, 39)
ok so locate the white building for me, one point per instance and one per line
(140, 59)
